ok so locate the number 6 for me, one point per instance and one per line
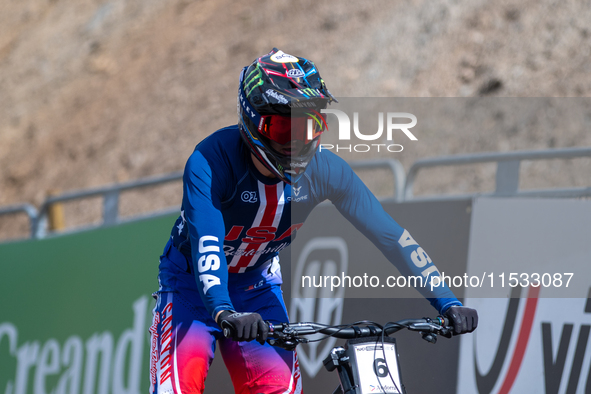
(380, 368)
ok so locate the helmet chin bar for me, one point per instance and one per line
(271, 167)
(289, 176)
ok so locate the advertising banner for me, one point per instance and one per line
(535, 315)
(76, 310)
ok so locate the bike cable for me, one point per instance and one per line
(341, 327)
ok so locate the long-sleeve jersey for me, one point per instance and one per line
(234, 219)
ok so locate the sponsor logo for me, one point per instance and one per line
(295, 73)
(296, 197)
(246, 107)
(154, 350)
(320, 256)
(255, 286)
(247, 196)
(279, 97)
(252, 80)
(368, 348)
(166, 345)
(231, 251)
(281, 57)
(388, 387)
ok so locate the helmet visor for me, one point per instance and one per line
(284, 129)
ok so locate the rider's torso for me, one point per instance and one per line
(257, 211)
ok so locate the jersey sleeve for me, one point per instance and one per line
(202, 211)
(360, 207)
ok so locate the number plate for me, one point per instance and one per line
(377, 367)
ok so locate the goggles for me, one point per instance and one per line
(284, 129)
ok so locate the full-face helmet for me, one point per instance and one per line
(279, 102)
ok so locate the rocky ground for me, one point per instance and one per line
(95, 92)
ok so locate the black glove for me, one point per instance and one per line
(462, 319)
(244, 326)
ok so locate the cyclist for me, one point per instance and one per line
(221, 265)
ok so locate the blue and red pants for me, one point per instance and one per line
(183, 335)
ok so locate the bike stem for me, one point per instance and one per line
(338, 359)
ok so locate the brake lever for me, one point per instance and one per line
(446, 332)
(286, 342)
(431, 328)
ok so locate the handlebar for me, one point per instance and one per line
(289, 335)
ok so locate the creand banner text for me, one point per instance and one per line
(102, 363)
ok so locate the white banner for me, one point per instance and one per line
(528, 339)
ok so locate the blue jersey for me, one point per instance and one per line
(234, 219)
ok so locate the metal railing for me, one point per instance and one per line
(507, 172)
(30, 210)
(398, 173)
(506, 184)
(110, 195)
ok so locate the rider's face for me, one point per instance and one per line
(292, 148)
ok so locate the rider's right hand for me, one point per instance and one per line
(462, 319)
(244, 326)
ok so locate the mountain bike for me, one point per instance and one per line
(368, 363)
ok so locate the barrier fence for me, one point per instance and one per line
(506, 181)
(507, 172)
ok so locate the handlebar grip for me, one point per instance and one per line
(227, 329)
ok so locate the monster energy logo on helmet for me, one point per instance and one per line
(252, 80)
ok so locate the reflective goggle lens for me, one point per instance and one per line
(283, 129)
